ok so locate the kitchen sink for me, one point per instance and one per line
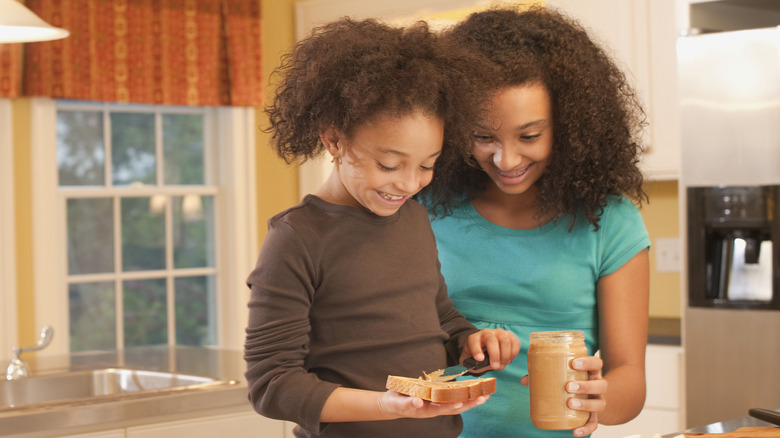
(100, 384)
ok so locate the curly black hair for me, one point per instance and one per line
(597, 117)
(350, 72)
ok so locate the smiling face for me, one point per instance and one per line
(384, 162)
(514, 144)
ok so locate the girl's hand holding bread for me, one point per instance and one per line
(414, 407)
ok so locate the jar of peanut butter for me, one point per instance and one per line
(549, 368)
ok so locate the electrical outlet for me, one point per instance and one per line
(667, 254)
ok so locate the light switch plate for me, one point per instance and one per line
(667, 254)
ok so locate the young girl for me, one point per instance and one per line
(536, 229)
(347, 288)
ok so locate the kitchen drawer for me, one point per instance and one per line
(117, 433)
(646, 424)
(663, 370)
(662, 411)
(240, 425)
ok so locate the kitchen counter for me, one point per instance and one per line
(726, 426)
(664, 331)
(228, 393)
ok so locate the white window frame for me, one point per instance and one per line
(8, 339)
(236, 225)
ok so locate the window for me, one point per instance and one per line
(140, 238)
(150, 228)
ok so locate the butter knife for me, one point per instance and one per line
(765, 415)
(468, 365)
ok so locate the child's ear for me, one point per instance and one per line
(330, 139)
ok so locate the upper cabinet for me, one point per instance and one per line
(641, 35)
(728, 15)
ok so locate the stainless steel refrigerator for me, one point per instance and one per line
(729, 85)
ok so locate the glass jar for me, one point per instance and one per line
(549, 368)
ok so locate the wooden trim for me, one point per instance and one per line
(8, 328)
(238, 230)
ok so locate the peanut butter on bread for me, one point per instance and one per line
(442, 391)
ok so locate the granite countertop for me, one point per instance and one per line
(725, 426)
(227, 393)
(664, 331)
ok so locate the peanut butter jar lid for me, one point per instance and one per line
(558, 336)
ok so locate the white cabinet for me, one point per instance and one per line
(288, 429)
(642, 36)
(662, 413)
(239, 425)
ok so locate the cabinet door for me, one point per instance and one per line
(661, 413)
(288, 429)
(641, 36)
(241, 425)
(649, 423)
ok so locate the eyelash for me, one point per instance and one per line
(390, 169)
(488, 138)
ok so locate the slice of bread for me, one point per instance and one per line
(442, 392)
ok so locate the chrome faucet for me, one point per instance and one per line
(17, 369)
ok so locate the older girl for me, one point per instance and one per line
(536, 228)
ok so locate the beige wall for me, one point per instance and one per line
(661, 217)
(277, 183)
(23, 222)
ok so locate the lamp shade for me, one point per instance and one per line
(20, 25)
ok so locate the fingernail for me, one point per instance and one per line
(577, 363)
(573, 386)
(575, 403)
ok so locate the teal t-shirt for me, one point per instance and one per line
(526, 281)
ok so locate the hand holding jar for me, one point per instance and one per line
(566, 386)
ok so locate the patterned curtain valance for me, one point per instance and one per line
(171, 52)
(9, 70)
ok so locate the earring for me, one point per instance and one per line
(335, 158)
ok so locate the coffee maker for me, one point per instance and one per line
(733, 246)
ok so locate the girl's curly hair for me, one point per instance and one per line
(349, 72)
(597, 118)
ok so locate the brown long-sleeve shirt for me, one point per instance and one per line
(343, 297)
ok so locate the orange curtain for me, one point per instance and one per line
(170, 52)
(9, 70)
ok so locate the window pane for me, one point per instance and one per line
(183, 149)
(80, 153)
(144, 308)
(132, 148)
(92, 316)
(90, 236)
(143, 235)
(196, 320)
(193, 231)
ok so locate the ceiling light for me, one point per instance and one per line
(20, 25)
